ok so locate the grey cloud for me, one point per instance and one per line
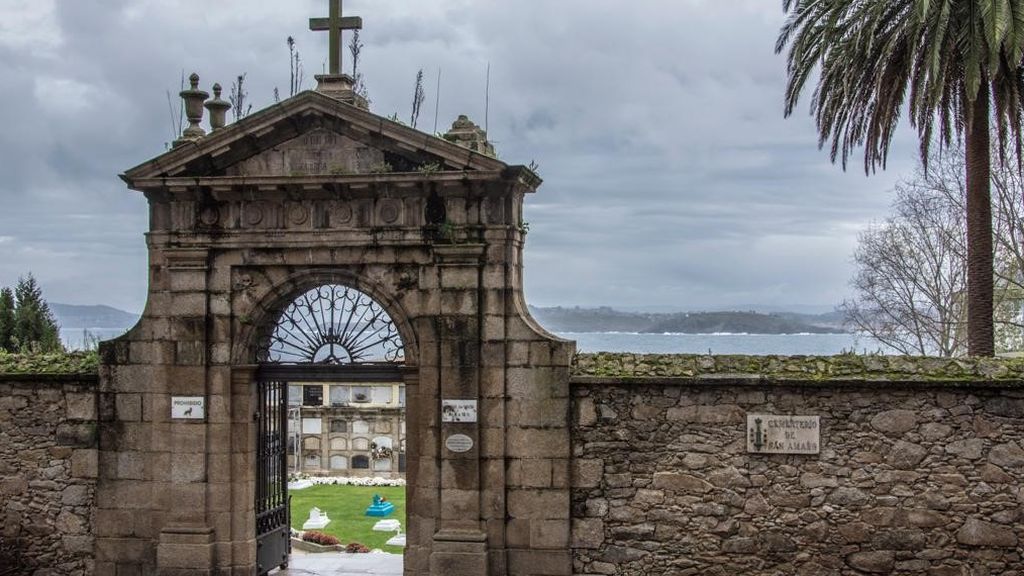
(671, 177)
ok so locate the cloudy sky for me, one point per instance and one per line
(672, 179)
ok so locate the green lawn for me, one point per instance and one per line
(346, 507)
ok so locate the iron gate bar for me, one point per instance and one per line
(273, 528)
(273, 514)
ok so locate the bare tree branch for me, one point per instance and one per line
(910, 284)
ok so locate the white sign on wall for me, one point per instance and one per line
(459, 443)
(783, 434)
(458, 410)
(188, 407)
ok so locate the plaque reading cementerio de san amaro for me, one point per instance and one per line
(782, 434)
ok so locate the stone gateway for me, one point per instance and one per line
(314, 246)
(315, 194)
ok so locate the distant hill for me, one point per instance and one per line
(74, 316)
(733, 322)
(593, 319)
(108, 320)
(606, 319)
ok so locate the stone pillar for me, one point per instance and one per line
(185, 550)
(460, 545)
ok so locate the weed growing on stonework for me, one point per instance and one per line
(295, 70)
(449, 231)
(429, 168)
(418, 96)
(237, 97)
(355, 48)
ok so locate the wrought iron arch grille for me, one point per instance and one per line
(334, 325)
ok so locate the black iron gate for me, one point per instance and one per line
(273, 521)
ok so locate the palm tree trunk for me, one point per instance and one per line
(980, 338)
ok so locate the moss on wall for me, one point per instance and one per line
(57, 363)
(800, 368)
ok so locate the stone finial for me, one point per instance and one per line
(340, 87)
(218, 109)
(467, 134)
(194, 98)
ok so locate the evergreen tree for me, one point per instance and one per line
(6, 320)
(35, 329)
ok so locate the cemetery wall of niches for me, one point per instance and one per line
(771, 465)
(48, 465)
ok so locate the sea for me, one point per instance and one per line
(721, 343)
(725, 343)
(86, 338)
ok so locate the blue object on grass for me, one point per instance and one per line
(380, 507)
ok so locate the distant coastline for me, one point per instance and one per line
(106, 322)
(609, 320)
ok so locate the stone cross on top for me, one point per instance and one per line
(334, 24)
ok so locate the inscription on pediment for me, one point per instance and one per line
(318, 152)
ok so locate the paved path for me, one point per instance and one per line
(342, 565)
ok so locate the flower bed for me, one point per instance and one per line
(300, 481)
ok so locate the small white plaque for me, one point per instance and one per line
(782, 434)
(188, 407)
(458, 410)
(459, 443)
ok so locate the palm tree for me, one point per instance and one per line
(954, 63)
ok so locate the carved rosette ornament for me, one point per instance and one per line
(390, 210)
(341, 213)
(298, 214)
(253, 213)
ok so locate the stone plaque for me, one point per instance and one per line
(782, 434)
(459, 443)
(458, 410)
(188, 407)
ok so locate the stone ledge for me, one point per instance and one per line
(844, 370)
(880, 383)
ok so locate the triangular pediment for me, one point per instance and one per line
(311, 134)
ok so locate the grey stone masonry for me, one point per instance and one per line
(308, 193)
(913, 476)
(47, 474)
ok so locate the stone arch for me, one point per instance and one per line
(261, 319)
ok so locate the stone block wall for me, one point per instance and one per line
(48, 464)
(918, 473)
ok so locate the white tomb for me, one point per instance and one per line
(317, 520)
(391, 525)
(397, 540)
